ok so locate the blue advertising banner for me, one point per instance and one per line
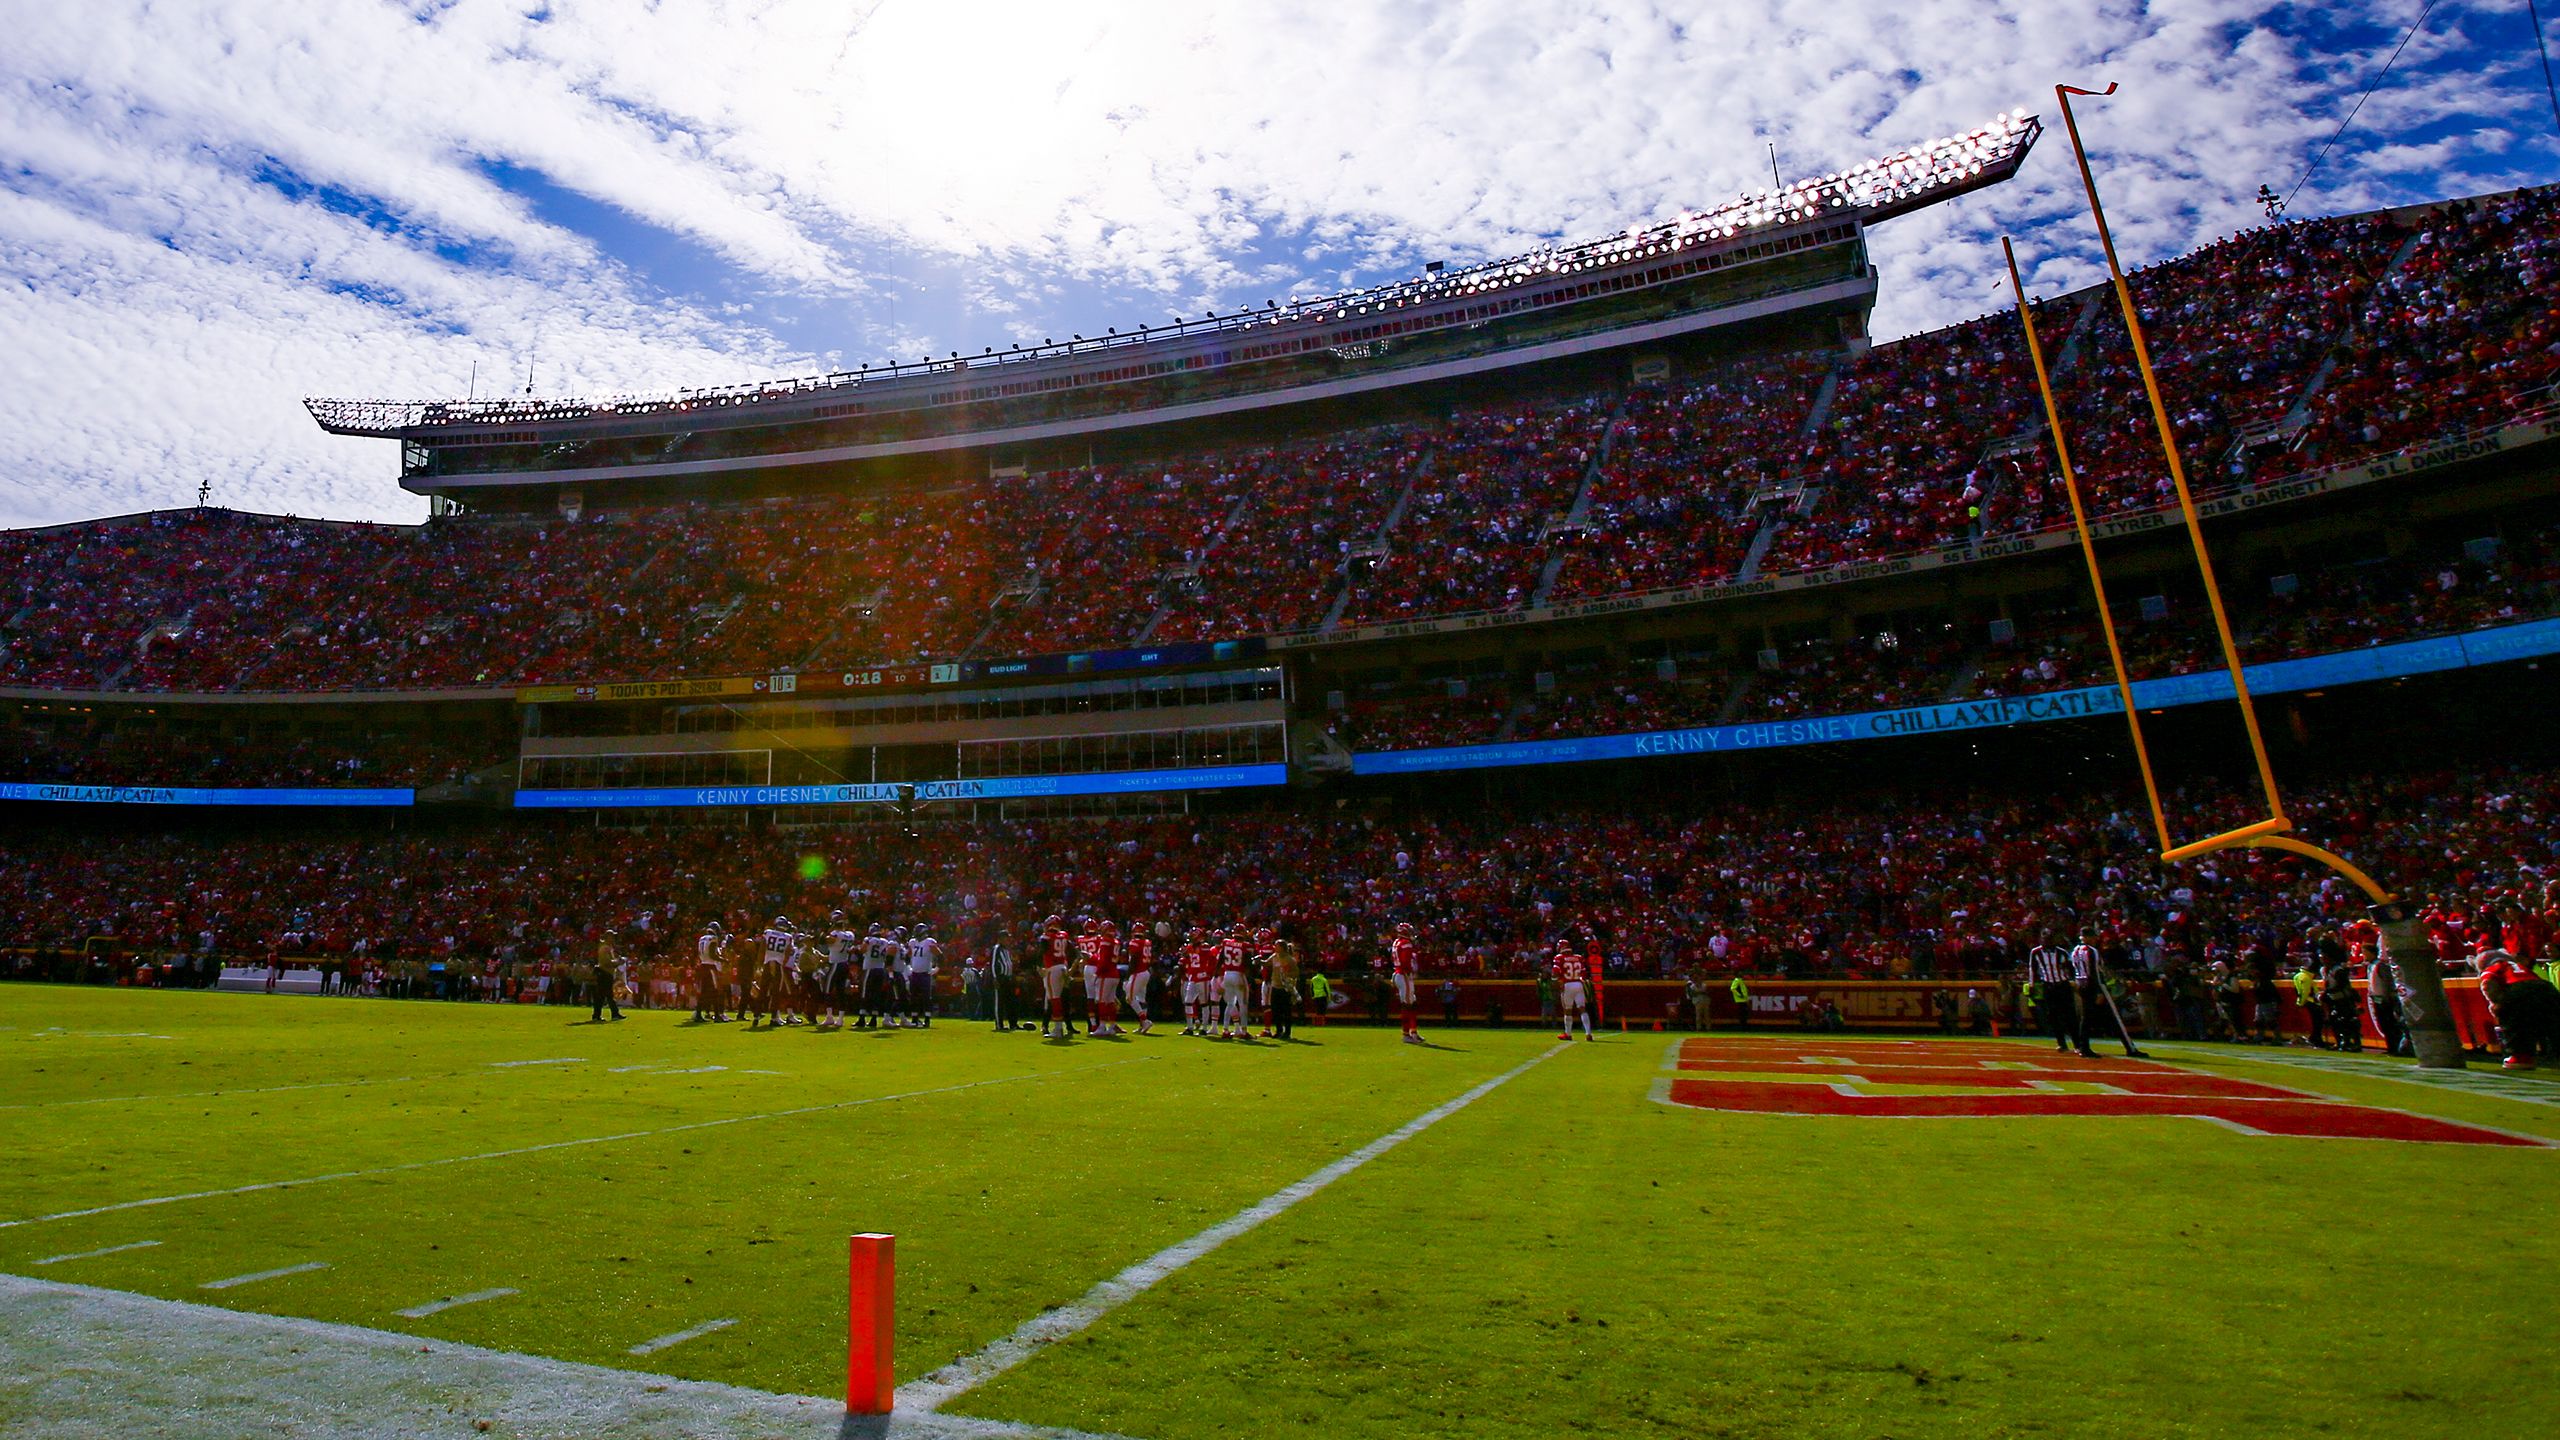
(693, 796)
(2382, 662)
(1126, 782)
(184, 795)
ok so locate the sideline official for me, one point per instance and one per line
(2057, 997)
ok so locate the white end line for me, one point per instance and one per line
(652, 1347)
(971, 1371)
(512, 1064)
(437, 1307)
(94, 1254)
(253, 1278)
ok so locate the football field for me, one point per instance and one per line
(1170, 1237)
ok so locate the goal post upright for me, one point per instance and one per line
(2169, 448)
(2426, 1016)
(2088, 546)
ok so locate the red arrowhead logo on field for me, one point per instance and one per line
(1992, 1081)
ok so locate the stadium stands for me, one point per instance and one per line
(1885, 884)
(2288, 348)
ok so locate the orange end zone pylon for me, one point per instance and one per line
(870, 1381)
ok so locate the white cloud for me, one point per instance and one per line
(1050, 168)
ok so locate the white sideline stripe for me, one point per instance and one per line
(971, 1371)
(253, 1277)
(438, 1307)
(94, 1254)
(652, 1347)
(142, 1359)
(547, 1145)
(512, 1064)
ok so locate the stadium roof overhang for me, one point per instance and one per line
(1752, 224)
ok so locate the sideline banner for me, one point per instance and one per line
(185, 795)
(2382, 662)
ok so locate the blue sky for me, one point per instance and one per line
(209, 210)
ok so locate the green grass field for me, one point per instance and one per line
(1565, 1254)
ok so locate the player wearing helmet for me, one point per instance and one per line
(1058, 949)
(1196, 980)
(1569, 971)
(708, 953)
(923, 953)
(1138, 957)
(1404, 965)
(1102, 962)
(1263, 941)
(1235, 987)
(875, 980)
(837, 981)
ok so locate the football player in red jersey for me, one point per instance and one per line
(1196, 979)
(1404, 964)
(1263, 941)
(1061, 949)
(1138, 954)
(1105, 956)
(1235, 989)
(1594, 967)
(1569, 971)
(1092, 976)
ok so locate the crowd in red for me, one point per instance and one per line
(2345, 605)
(103, 755)
(1880, 884)
(2291, 347)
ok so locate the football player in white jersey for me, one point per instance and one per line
(774, 975)
(875, 981)
(709, 957)
(923, 952)
(841, 962)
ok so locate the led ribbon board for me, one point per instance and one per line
(191, 795)
(2348, 667)
(699, 796)
(1127, 782)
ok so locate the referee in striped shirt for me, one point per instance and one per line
(2089, 977)
(2057, 997)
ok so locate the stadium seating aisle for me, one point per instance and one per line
(1672, 504)
(1475, 537)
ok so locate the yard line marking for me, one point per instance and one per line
(971, 1371)
(235, 1370)
(438, 1307)
(627, 1069)
(548, 1145)
(94, 1254)
(512, 1064)
(652, 1347)
(252, 1278)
